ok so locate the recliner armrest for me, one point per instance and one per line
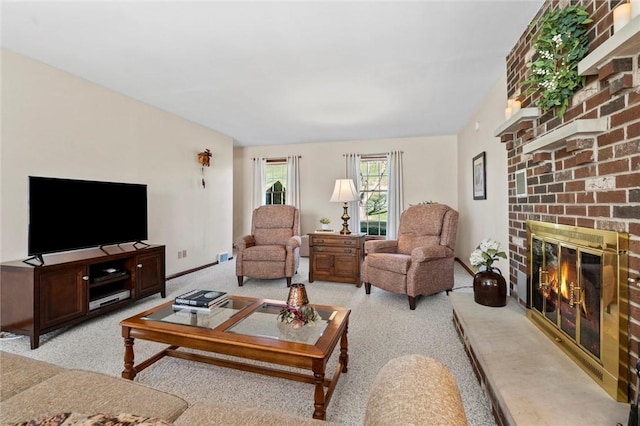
(246, 241)
(381, 246)
(428, 253)
(293, 242)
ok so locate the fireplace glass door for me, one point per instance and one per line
(578, 296)
(567, 283)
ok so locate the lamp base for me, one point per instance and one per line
(345, 220)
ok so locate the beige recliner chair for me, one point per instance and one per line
(273, 248)
(420, 261)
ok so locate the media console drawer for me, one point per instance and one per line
(336, 257)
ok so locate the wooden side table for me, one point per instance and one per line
(336, 257)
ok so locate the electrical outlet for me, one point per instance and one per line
(180, 254)
(184, 253)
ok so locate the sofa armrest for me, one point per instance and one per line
(381, 246)
(415, 390)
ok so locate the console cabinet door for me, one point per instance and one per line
(346, 265)
(63, 295)
(322, 266)
(150, 277)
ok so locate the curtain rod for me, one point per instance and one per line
(381, 154)
(275, 158)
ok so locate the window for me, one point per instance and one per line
(374, 180)
(276, 191)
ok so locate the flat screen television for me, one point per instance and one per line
(70, 214)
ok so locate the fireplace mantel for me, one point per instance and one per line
(511, 125)
(557, 137)
(625, 42)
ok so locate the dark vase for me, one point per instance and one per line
(490, 288)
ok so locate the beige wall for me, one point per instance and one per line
(430, 174)
(480, 219)
(55, 124)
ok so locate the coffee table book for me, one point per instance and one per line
(201, 309)
(201, 298)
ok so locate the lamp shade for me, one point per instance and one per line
(344, 191)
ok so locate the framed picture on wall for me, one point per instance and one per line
(479, 177)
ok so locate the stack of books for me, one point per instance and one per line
(200, 300)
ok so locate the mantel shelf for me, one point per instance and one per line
(556, 138)
(625, 42)
(511, 124)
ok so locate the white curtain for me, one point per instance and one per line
(259, 182)
(395, 193)
(293, 181)
(353, 172)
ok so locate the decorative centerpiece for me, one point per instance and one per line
(298, 313)
(489, 286)
(296, 317)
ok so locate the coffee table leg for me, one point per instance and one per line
(344, 347)
(318, 397)
(129, 372)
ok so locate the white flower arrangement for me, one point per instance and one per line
(487, 252)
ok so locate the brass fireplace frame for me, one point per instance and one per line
(611, 370)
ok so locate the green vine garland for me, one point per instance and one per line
(561, 43)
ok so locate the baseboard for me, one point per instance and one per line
(189, 271)
(466, 268)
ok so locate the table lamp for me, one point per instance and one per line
(345, 191)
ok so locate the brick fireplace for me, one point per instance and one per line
(583, 169)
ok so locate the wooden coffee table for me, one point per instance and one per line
(245, 328)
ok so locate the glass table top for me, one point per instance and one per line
(195, 318)
(262, 322)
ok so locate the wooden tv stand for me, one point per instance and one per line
(73, 287)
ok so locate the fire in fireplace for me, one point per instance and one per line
(578, 296)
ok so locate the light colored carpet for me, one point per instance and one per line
(381, 327)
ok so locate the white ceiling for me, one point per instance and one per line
(283, 72)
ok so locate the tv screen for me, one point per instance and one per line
(69, 214)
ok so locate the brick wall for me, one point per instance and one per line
(594, 181)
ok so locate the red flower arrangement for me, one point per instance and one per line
(297, 317)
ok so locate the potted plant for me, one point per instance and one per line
(324, 222)
(489, 286)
